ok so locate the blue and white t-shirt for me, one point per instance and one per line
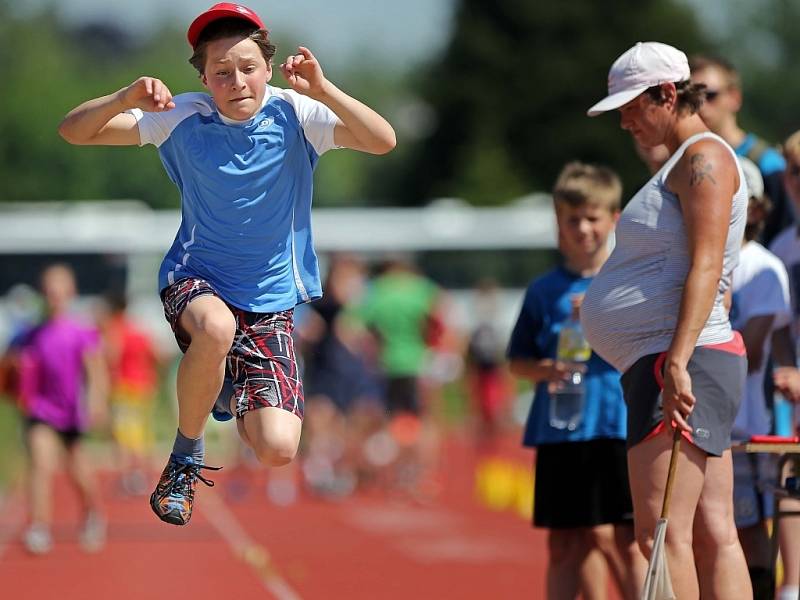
(246, 192)
(547, 305)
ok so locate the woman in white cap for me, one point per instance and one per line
(656, 311)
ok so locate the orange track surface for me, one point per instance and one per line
(365, 547)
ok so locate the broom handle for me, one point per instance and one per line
(673, 466)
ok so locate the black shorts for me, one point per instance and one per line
(402, 395)
(754, 477)
(718, 374)
(261, 363)
(582, 484)
(68, 437)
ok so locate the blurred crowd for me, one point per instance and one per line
(380, 354)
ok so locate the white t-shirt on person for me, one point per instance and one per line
(760, 288)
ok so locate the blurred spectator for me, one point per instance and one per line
(487, 374)
(133, 366)
(62, 389)
(760, 304)
(581, 488)
(22, 310)
(402, 308)
(719, 112)
(341, 381)
(787, 247)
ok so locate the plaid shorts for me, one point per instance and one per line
(261, 362)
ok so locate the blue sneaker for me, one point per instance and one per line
(173, 497)
(221, 411)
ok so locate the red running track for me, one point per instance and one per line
(364, 547)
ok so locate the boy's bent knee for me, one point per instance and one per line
(273, 434)
(275, 452)
(210, 325)
(274, 456)
(215, 329)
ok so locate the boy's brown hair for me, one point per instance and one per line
(579, 184)
(230, 27)
(791, 147)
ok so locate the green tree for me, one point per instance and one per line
(511, 91)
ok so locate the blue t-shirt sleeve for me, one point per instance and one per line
(771, 162)
(524, 338)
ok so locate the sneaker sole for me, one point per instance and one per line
(173, 517)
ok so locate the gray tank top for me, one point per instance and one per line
(631, 308)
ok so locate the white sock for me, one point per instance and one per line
(789, 592)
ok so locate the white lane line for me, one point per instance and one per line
(245, 548)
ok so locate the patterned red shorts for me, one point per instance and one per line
(261, 362)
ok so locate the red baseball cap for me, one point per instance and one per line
(223, 10)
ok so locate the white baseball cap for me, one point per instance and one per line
(752, 177)
(645, 65)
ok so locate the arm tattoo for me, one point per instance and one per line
(700, 170)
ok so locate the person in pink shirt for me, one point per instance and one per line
(62, 389)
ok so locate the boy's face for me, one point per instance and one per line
(236, 74)
(583, 230)
(791, 178)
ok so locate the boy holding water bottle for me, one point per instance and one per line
(577, 420)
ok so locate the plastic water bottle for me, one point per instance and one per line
(782, 415)
(567, 397)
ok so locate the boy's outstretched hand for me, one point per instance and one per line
(303, 72)
(147, 93)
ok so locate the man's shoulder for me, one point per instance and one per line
(771, 162)
(765, 155)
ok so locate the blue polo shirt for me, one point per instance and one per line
(547, 305)
(246, 192)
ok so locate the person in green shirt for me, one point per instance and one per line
(402, 309)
